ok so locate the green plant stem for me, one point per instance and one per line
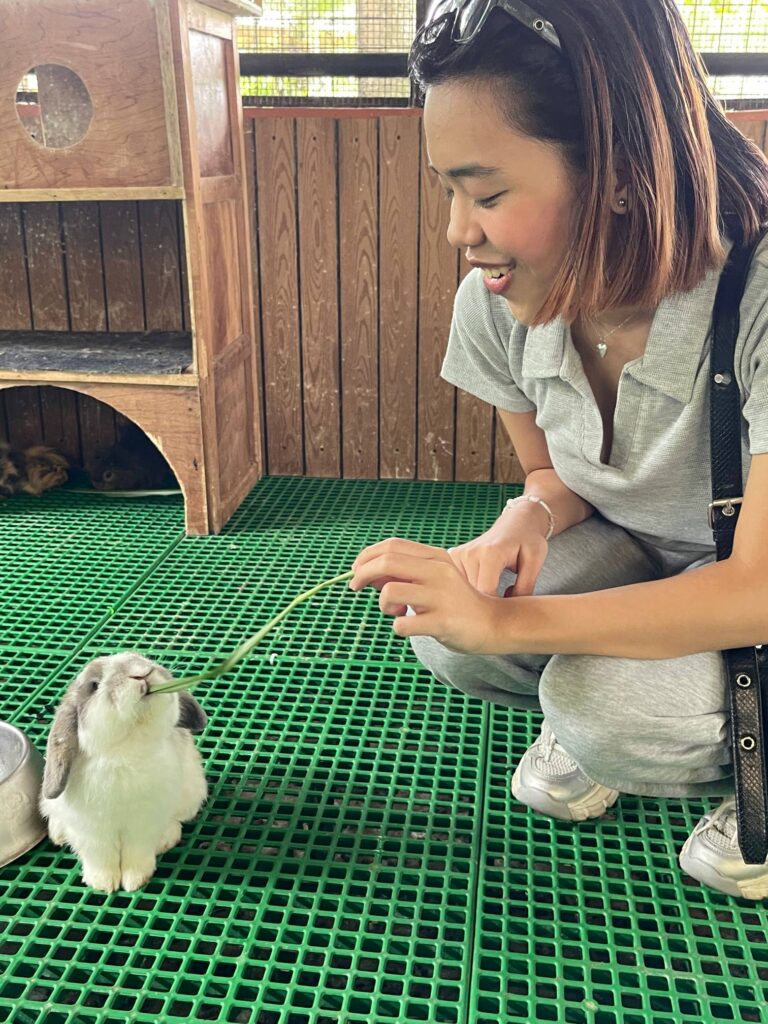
(174, 685)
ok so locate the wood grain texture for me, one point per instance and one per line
(249, 156)
(24, 415)
(47, 287)
(474, 428)
(113, 46)
(15, 308)
(122, 267)
(276, 175)
(359, 270)
(70, 233)
(81, 230)
(222, 253)
(318, 270)
(234, 427)
(756, 131)
(506, 466)
(46, 242)
(15, 311)
(161, 265)
(60, 415)
(438, 280)
(399, 225)
(209, 77)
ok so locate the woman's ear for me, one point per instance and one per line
(620, 186)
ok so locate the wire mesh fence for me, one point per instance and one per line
(727, 26)
(324, 90)
(335, 27)
(330, 26)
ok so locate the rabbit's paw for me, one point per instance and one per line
(137, 873)
(104, 879)
(57, 835)
(170, 837)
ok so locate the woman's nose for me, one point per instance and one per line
(463, 229)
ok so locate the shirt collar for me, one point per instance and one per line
(672, 355)
(679, 332)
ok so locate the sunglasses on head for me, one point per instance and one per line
(471, 15)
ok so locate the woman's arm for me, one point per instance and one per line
(541, 480)
(715, 607)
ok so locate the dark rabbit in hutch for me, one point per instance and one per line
(134, 463)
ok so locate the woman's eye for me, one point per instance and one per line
(448, 193)
(490, 202)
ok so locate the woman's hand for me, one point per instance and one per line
(515, 541)
(445, 605)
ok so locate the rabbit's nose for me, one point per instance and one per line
(142, 681)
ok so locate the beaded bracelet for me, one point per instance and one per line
(536, 501)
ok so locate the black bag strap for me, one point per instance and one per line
(748, 710)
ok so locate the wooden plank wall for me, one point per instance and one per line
(356, 286)
(353, 292)
(84, 266)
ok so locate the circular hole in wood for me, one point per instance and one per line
(54, 106)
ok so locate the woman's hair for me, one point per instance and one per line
(626, 86)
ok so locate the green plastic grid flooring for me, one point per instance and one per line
(360, 859)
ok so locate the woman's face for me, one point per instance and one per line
(513, 199)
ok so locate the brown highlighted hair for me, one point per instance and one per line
(626, 86)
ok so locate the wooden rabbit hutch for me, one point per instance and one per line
(125, 237)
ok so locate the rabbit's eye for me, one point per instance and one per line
(94, 685)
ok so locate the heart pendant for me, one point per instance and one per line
(602, 348)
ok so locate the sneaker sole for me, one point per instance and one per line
(748, 888)
(593, 804)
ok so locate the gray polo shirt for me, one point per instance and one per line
(657, 484)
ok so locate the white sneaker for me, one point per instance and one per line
(549, 780)
(711, 855)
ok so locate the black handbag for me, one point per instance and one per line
(748, 699)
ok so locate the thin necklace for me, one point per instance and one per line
(601, 347)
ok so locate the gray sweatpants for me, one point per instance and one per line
(654, 728)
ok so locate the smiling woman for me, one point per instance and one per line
(596, 188)
(511, 211)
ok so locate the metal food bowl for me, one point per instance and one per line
(21, 779)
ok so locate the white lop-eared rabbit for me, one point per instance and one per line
(122, 770)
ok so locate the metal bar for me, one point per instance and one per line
(395, 65)
(337, 65)
(746, 64)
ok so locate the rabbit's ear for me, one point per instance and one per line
(60, 751)
(191, 715)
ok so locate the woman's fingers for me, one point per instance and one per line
(528, 569)
(392, 564)
(396, 546)
(466, 564)
(396, 598)
(490, 572)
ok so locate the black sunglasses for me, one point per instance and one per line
(471, 15)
